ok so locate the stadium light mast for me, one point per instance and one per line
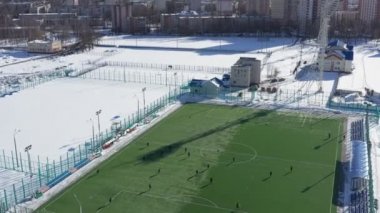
(138, 105)
(97, 114)
(143, 91)
(27, 149)
(175, 83)
(93, 134)
(15, 143)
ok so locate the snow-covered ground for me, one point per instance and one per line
(12, 56)
(55, 116)
(246, 44)
(149, 76)
(9, 177)
(366, 72)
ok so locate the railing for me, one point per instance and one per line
(370, 171)
(209, 69)
(28, 82)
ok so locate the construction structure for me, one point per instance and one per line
(327, 10)
(246, 72)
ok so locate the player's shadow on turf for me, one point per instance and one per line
(308, 188)
(266, 179)
(206, 185)
(325, 143)
(92, 176)
(143, 192)
(288, 173)
(191, 177)
(154, 175)
(230, 163)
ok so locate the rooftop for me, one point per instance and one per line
(245, 61)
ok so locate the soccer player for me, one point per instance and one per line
(270, 174)
(150, 186)
(291, 168)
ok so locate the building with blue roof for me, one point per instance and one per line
(207, 88)
(339, 57)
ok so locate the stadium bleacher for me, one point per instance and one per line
(359, 201)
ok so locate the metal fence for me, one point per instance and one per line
(209, 69)
(372, 207)
(27, 82)
(42, 174)
(134, 76)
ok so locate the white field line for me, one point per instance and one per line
(336, 154)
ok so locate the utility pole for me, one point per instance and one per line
(27, 149)
(143, 91)
(93, 134)
(15, 143)
(97, 114)
(175, 83)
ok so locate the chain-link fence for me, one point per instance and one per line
(42, 174)
(153, 77)
(371, 193)
(209, 69)
(15, 83)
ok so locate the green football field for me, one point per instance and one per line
(208, 158)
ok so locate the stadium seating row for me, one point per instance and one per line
(357, 130)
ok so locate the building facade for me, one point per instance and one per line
(207, 88)
(367, 10)
(246, 72)
(41, 46)
(258, 7)
(277, 8)
(339, 57)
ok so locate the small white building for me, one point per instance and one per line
(339, 57)
(245, 72)
(43, 46)
(207, 88)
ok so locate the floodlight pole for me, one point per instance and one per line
(143, 91)
(97, 114)
(27, 149)
(138, 106)
(93, 134)
(15, 143)
(175, 83)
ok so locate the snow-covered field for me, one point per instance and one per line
(9, 177)
(246, 44)
(55, 116)
(12, 56)
(366, 73)
(149, 76)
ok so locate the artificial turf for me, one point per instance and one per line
(209, 158)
